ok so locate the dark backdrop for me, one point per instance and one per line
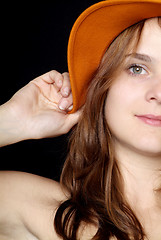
(34, 40)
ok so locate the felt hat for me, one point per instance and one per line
(93, 32)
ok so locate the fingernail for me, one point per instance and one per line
(60, 82)
(66, 91)
(70, 108)
(63, 105)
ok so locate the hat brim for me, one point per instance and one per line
(93, 32)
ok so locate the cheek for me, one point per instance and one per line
(119, 109)
(114, 108)
(116, 104)
(127, 131)
(123, 99)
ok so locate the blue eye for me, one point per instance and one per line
(137, 70)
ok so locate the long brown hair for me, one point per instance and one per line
(90, 173)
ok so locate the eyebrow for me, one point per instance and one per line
(139, 56)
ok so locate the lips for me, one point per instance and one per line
(150, 119)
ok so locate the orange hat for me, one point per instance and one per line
(93, 32)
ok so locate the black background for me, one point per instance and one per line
(34, 40)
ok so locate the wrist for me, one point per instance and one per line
(11, 129)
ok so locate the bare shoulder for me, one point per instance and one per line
(21, 185)
(28, 205)
(28, 202)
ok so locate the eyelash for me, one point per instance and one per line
(132, 66)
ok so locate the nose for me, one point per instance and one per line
(154, 92)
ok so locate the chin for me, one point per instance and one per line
(154, 154)
(147, 147)
(151, 151)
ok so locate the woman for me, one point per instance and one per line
(111, 180)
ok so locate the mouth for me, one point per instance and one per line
(150, 119)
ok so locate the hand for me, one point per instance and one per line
(40, 109)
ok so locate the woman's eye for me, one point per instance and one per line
(137, 70)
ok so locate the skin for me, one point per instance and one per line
(28, 202)
(138, 94)
(38, 110)
(137, 91)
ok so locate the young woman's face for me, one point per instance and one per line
(133, 105)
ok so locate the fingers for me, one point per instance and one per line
(66, 88)
(72, 120)
(66, 102)
(57, 79)
(61, 83)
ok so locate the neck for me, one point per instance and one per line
(141, 175)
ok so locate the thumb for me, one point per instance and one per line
(73, 119)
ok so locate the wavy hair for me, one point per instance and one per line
(90, 173)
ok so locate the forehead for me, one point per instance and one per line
(150, 41)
